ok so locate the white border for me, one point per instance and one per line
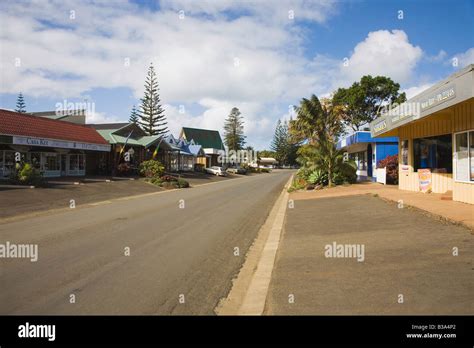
(455, 157)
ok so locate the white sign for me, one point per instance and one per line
(438, 98)
(30, 141)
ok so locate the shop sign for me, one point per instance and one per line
(30, 141)
(404, 168)
(380, 126)
(438, 98)
(424, 178)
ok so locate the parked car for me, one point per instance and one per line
(216, 171)
(236, 170)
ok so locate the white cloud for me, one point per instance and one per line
(383, 52)
(437, 58)
(464, 59)
(195, 56)
(64, 57)
(415, 90)
(101, 117)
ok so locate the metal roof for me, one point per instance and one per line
(451, 91)
(363, 137)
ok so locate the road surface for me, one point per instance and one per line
(182, 259)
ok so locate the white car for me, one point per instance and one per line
(216, 171)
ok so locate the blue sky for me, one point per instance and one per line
(211, 56)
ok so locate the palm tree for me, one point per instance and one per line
(319, 125)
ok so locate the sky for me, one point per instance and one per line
(260, 56)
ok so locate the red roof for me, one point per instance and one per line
(14, 123)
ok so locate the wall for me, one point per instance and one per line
(385, 149)
(463, 120)
(454, 119)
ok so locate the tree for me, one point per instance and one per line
(364, 100)
(319, 124)
(282, 144)
(20, 104)
(134, 116)
(266, 153)
(234, 137)
(316, 121)
(151, 114)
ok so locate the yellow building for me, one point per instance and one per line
(436, 137)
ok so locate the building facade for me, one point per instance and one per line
(367, 152)
(436, 137)
(55, 148)
(210, 141)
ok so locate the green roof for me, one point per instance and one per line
(145, 141)
(205, 137)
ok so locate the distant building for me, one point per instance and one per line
(186, 155)
(211, 143)
(55, 148)
(73, 116)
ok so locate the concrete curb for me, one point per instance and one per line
(249, 290)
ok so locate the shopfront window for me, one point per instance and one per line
(52, 162)
(35, 160)
(433, 153)
(76, 163)
(81, 162)
(464, 156)
(360, 158)
(73, 163)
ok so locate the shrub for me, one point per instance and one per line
(151, 169)
(168, 184)
(345, 172)
(318, 177)
(182, 183)
(391, 163)
(26, 174)
(298, 184)
(167, 178)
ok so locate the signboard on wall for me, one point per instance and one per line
(404, 168)
(30, 141)
(438, 98)
(424, 178)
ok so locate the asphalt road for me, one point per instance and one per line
(174, 251)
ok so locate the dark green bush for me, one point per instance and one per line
(318, 177)
(26, 174)
(151, 169)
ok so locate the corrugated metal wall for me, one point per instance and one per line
(463, 120)
(455, 119)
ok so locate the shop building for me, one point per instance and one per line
(210, 141)
(436, 137)
(367, 152)
(55, 148)
(131, 139)
(186, 153)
